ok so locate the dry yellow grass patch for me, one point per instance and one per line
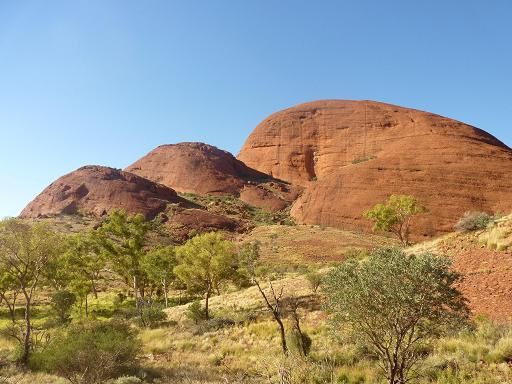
(310, 243)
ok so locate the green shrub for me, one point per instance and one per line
(61, 303)
(90, 352)
(315, 280)
(502, 352)
(119, 299)
(356, 254)
(212, 325)
(473, 221)
(151, 315)
(196, 312)
(363, 159)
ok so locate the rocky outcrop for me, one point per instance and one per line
(349, 155)
(196, 168)
(95, 190)
(204, 169)
(185, 223)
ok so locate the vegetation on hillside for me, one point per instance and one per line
(122, 303)
(395, 215)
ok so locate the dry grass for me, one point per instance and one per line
(310, 243)
(498, 237)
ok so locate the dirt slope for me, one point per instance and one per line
(487, 271)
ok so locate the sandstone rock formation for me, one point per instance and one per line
(187, 222)
(349, 155)
(95, 190)
(204, 169)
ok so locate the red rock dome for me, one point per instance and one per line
(204, 169)
(349, 155)
(95, 190)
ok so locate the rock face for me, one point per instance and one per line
(196, 168)
(95, 190)
(349, 155)
(204, 169)
(185, 223)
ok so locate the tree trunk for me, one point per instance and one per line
(206, 310)
(283, 335)
(165, 294)
(135, 292)
(298, 330)
(26, 338)
(94, 290)
(86, 306)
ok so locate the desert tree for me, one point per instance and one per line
(274, 302)
(9, 292)
(205, 263)
(396, 304)
(158, 264)
(86, 259)
(273, 298)
(315, 280)
(395, 215)
(25, 251)
(123, 238)
(83, 262)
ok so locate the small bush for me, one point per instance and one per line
(212, 325)
(502, 352)
(151, 315)
(90, 352)
(363, 159)
(473, 221)
(119, 299)
(61, 303)
(315, 280)
(356, 254)
(196, 312)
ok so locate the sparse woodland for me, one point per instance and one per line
(122, 302)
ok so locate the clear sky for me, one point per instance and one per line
(104, 81)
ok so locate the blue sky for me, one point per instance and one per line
(104, 81)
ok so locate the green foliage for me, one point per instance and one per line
(123, 239)
(473, 221)
(248, 257)
(196, 312)
(25, 252)
(213, 325)
(158, 265)
(150, 315)
(396, 304)
(119, 299)
(90, 353)
(85, 259)
(232, 206)
(395, 215)
(61, 303)
(475, 356)
(205, 263)
(356, 253)
(315, 280)
(363, 159)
